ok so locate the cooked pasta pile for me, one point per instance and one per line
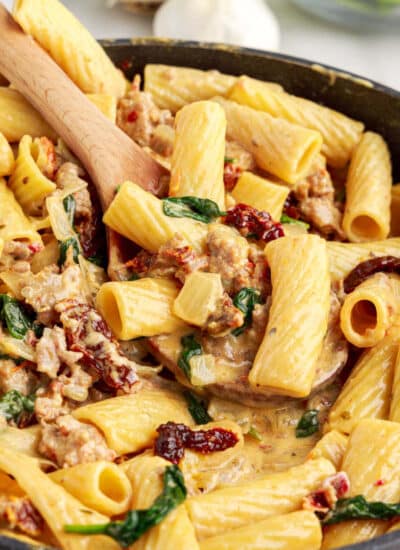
(228, 375)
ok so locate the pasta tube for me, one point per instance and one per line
(199, 297)
(279, 147)
(296, 531)
(331, 446)
(100, 485)
(106, 103)
(368, 191)
(369, 311)
(71, 46)
(366, 393)
(340, 133)
(14, 224)
(28, 183)
(372, 464)
(261, 194)
(150, 228)
(197, 166)
(287, 358)
(128, 307)
(394, 414)
(176, 531)
(6, 157)
(343, 257)
(129, 422)
(56, 506)
(280, 493)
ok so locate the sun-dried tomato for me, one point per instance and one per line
(174, 438)
(387, 264)
(253, 223)
(132, 117)
(232, 173)
(140, 263)
(290, 208)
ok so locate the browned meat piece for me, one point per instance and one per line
(46, 157)
(88, 333)
(68, 442)
(50, 402)
(19, 513)
(316, 196)
(138, 116)
(225, 318)
(16, 377)
(51, 351)
(17, 255)
(240, 157)
(162, 140)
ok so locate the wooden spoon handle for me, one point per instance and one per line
(108, 154)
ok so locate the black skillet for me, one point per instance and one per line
(376, 105)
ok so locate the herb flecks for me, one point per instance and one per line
(245, 300)
(190, 348)
(308, 424)
(196, 408)
(64, 246)
(14, 405)
(202, 210)
(293, 221)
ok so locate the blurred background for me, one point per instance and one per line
(362, 36)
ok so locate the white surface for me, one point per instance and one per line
(374, 56)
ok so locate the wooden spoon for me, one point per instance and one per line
(109, 155)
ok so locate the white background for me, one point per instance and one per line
(372, 55)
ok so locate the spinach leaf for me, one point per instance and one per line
(287, 219)
(63, 247)
(13, 313)
(359, 508)
(133, 277)
(308, 424)
(137, 522)
(13, 405)
(70, 207)
(245, 300)
(6, 357)
(253, 432)
(98, 259)
(202, 210)
(190, 348)
(229, 160)
(196, 408)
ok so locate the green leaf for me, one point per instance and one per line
(137, 522)
(202, 210)
(246, 300)
(287, 219)
(196, 408)
(229, 160)
(190, 348)
(253, 432)
(98, 259)
(308, 424)
(13, 405)
(69, 203)
(359, 508)
(134, 277)
(15, 316)
(63, 247)
(6, 357)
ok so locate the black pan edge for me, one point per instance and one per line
(376, 105)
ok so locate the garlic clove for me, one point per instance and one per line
(251, 24)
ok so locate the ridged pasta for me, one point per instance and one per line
(366, 393)
(100, 485)
(176, 531)
(27, 182)
(129, 422)
(340, 133)
(261, 194)
(368, 191)
(106, 103)
(54, 503)
(332, 447)
(370, 310)
(394, 413)
(372, 464)
(71, 46)
(279, 493)
(286, 360)
(47, 256)
(199, 297)
(197, 165)
(14, 224)
(343, 257)
(129, 306)
(138, 216)
(6, 157)
(296, 531)
(279, 147)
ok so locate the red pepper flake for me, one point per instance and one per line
(174, 438)
(253, 223)
(35, 247)
(132, 117)
(387, 264)
(232, 173)
(379, 483)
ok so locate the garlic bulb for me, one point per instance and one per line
(249, 23)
